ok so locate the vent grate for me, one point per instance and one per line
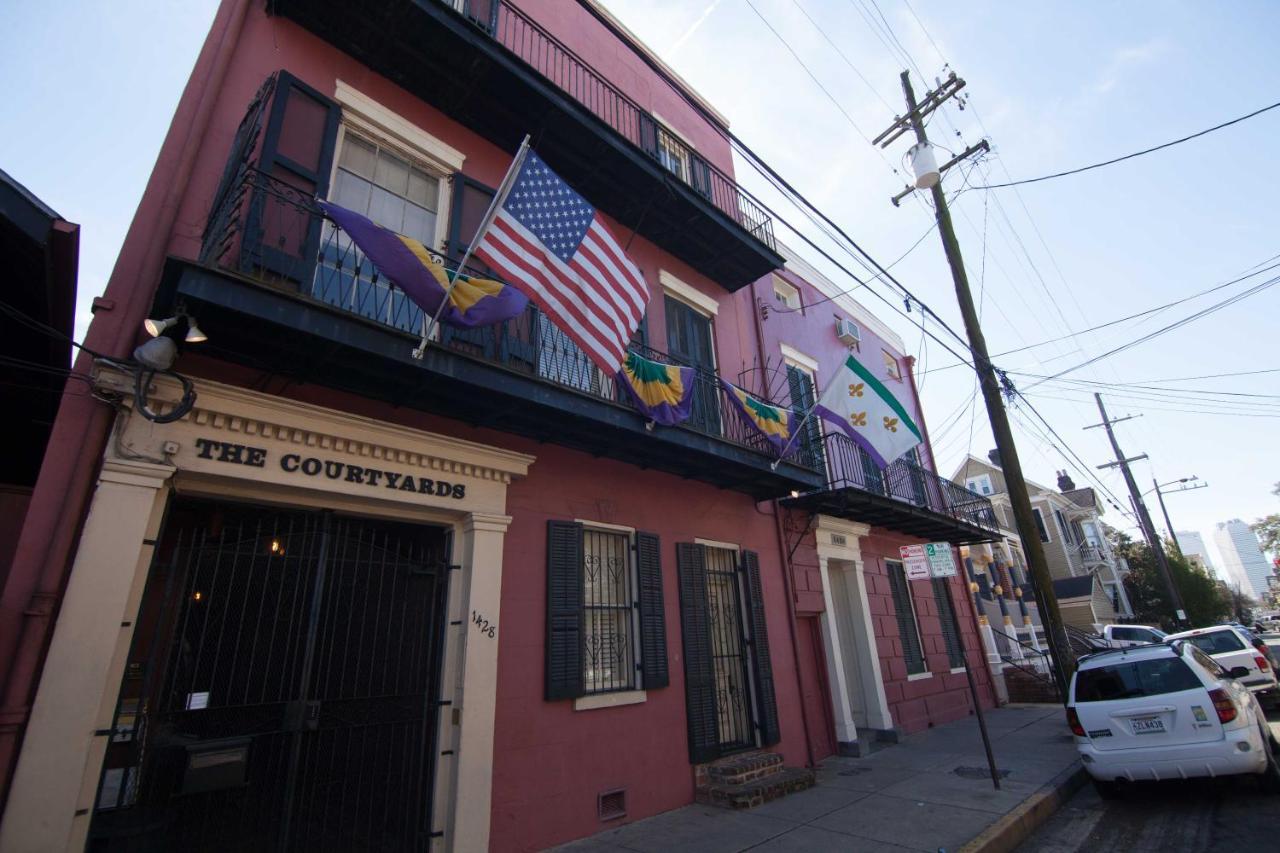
(612, 804)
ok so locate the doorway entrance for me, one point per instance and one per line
(280, 690)
(735, 725)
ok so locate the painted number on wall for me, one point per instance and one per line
(488, 630)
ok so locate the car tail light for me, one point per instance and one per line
(1227, 710)
(1262, 663)
(1073, 720)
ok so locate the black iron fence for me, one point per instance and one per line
(272, 232)
(551, 58)
(849, 466)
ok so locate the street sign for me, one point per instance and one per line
(942, 562)
(915, 562)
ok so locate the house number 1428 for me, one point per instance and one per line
(488, 630)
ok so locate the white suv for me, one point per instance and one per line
(1231, 647)
(1166, 712)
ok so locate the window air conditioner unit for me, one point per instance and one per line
(848, 332)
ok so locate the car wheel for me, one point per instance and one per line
(1107, 790)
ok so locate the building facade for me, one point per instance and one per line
(314, 591)
(1242, 557)
(1194, 549)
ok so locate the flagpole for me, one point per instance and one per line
(498, 199)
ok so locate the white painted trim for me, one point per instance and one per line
(609, 700)
(788, 291)
(956, 670)
(711, 543)
(837, 295)
(920, 676)
(687, 294)
(364, 112)
(801, 360)
(600, 525)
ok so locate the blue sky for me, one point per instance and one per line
(94, 84)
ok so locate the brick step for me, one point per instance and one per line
(741, 769)
(1024, 687)
(787, 780)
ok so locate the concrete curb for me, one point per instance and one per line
(1015, 827)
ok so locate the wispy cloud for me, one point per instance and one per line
(693, 28)
(1126, 58)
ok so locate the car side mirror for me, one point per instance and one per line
(1238, 672)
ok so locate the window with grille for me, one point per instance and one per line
(393, 192)
(608, 653)
(908, 628)
(947, 614)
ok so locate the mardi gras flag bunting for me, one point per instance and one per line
(777, 424)
(662, 392)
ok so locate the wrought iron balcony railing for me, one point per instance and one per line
(849, 466)
(1092, 554)
(551, 58)
(266, 230)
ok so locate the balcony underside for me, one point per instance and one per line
(454, 65)
(306, 341)
(891, 513)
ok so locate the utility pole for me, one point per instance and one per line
(1009, 464)
(1177, 546)
(1144, 517)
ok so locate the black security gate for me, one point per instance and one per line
(729, 653)
(280, 692)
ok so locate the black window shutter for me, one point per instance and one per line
(907, 631)
(700, 175)
(766, 700)
(283, 233)
(947, 614)
(564, 610)
(699, 671)
(653, 623)
(649, 135)
(229, 197)
(470, 202)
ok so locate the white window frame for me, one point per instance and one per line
(896, 372)
(786, 293)
(614, 698)
(980, 481)
(687, 294)
(367, 118)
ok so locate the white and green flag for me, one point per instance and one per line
(859, 403)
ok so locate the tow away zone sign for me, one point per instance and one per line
(932, 560)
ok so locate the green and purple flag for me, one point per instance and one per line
(776, 424)
(865, 410)
(662, 392)
(411, 267)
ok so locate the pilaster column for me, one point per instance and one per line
(846, 730)
(55, 783)
(475, 674)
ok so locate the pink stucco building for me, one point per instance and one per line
(343, 598)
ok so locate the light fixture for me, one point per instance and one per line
(194, 335)
(156, 328)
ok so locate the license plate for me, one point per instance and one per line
(1147, 725)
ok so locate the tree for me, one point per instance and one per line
(1268, 529)
(1204, 602)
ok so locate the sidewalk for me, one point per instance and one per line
(906, 796)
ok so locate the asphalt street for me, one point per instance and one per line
(1169, 817)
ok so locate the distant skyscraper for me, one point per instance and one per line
(1192, 544)
(1242, 556)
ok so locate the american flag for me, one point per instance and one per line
(550, 243)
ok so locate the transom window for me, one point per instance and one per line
(608, 636)
(394, 192)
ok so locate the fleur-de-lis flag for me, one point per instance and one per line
(862, 407)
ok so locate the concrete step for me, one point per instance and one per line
(1024, 687)
(748, 795)
(741, 769)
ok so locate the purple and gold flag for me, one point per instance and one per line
(776, 424)
(662, 392)
(410, 266)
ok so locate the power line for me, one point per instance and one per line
(1131, 156)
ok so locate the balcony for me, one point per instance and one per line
(489, 66)
(902, 496)
(282, 290)
(1091, 555)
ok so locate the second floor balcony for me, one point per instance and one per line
(490, 66)
(281, 289)
(903, 496)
